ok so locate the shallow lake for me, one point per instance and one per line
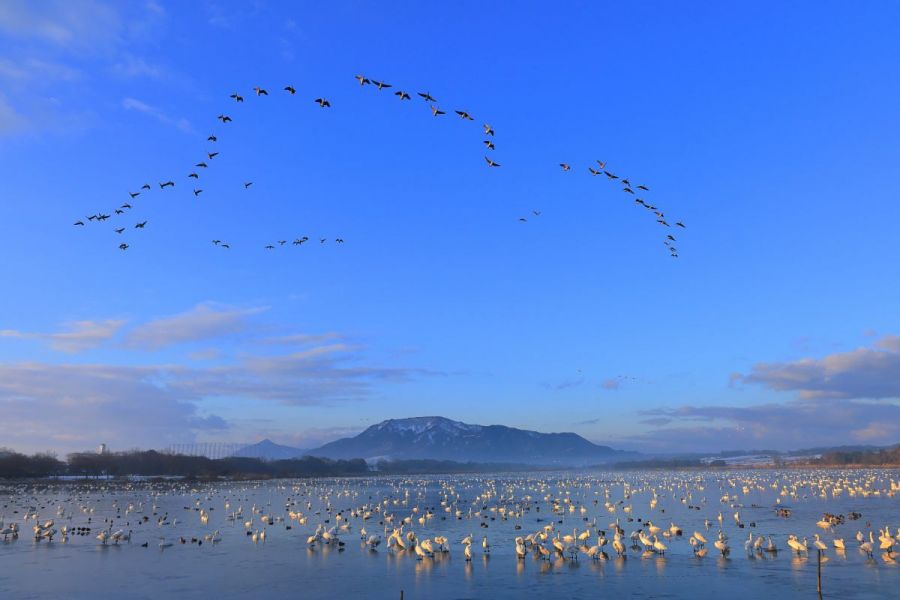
(185, 516)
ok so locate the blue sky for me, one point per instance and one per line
(770, 130)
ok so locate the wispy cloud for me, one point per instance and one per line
(872, 372)
(842, 398)
(80, 336)
(11, 120)
(32, 71)
(203, 322)
(80, 25)
(137, 67)
(78, 406)
(53, 45)
(789, 425)
(158, 114)
(319, 375)
(302, 339)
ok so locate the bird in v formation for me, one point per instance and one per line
(426, 96)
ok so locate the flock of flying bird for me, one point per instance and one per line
(322, 102)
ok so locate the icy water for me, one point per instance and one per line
(501, 507)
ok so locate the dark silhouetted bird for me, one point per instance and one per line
(224, 118)
(290, 89)
(247, 184)
(488, 130)
(202, 165)
(78, 223)
(427, 97)
(491, 163)
(167, 184)
(146, 186)
(403, 95)
(489, 144)
(643, 187)
(680, 224)
(123, 246)
(212, 138)
(322, 102)
(436, 111)
(260, 92)
(194, 175)
(381, 84)
(141, 225)
(134, 194)
(119, 230)
(197, 192)
(564, 166)
(212, 155)
(237, 97)
(362, 80)
(464, 115)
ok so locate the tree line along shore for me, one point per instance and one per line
(149, 463)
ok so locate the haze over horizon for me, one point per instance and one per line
(775, 328)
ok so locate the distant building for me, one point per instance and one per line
(103, 449)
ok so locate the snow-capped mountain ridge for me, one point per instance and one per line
(439, 438)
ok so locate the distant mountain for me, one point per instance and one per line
(269, 450)
(439, 438)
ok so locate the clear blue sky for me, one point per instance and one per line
(770, 129)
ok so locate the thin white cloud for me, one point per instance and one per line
(83, 25)
(78, 406)
(80, 336)
(780, 426)
(137, 67)
(203, 322)
(302, 339)
(872, 372)
(11, 120)
(158, 114)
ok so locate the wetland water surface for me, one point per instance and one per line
(173, 525)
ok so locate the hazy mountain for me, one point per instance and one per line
(269, 450)
(442, 439)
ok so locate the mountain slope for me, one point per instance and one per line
(269, 450)
(442, 439)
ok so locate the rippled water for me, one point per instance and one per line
(285, 566)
